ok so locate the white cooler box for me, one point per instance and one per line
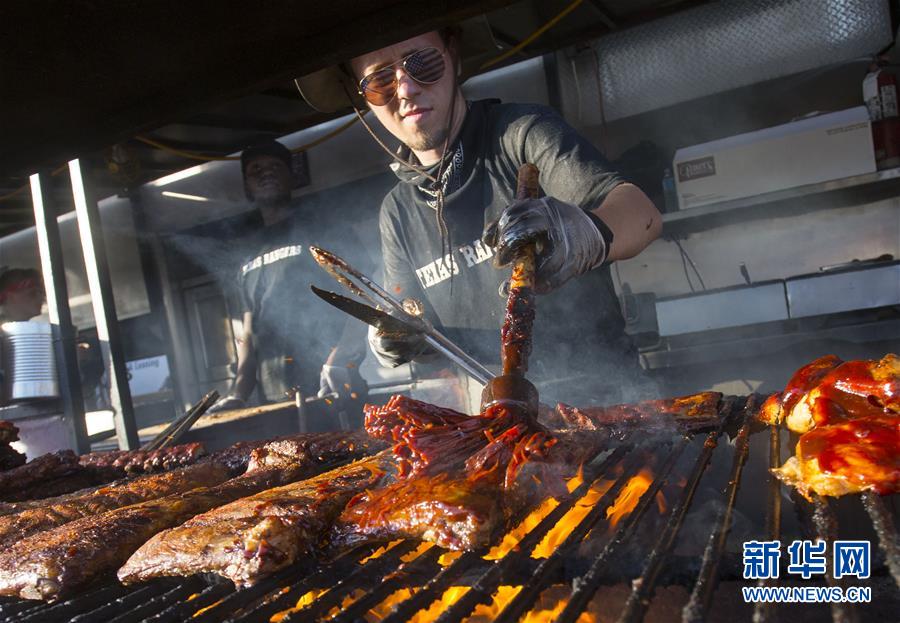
(812, 150)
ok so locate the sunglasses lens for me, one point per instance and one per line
(379, 87)
(425, 66)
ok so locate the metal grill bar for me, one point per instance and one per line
(38, 611)
(644, 588)
(183, 610)
(363, 577)
(436, 587)
(272, 604)
(886, 531)
(764, 612)
(391, 583)
(587, 585)
(159, 602)
(825, 524)
(230, 602)
(526, 598)
(701, 597)
(113, 607)
(486, 585)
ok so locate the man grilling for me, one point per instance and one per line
(288, 344)
(453, 214)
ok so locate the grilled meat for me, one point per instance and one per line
(855, 386)
(464, 510)
(29, 521)
(116, 464)
(336, 445)
(856, 455)
(849, 414)
(55, 562)
(52, 563)
(55, 487)
(428, 440)
(258, 535)
(9, 432)
(10, 458)
(25, 477)
(777, 406)
(451, 511)
(694, 412)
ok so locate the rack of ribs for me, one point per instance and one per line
(694, 413)
(462, 509)
(253, 537)
(55, 562)
(15, 527)
(118, 463)
(22, 480)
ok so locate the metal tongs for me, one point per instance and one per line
(386, 313)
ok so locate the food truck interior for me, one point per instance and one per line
(746, 122)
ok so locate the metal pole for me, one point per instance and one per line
(97, 267)
(150, 268)
(64, 337)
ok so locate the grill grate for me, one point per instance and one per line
(348, 587)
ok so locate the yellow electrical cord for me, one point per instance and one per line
(12, 194)
(537, 33)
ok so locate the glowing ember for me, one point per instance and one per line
(305, 600)
(202, 610)
(661, 503)
(423, 547)
(381, 551)
(512, 538)
(629, 496)
(448, 558)
(450, 596)
(572, 518)
(489, 612)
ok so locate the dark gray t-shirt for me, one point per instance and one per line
(294, 330)
(579, 327)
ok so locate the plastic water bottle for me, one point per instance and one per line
(670, 195)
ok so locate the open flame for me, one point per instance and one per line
(511, 539)
(551, 603)
(628, 498)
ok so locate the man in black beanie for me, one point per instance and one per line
(291, 341)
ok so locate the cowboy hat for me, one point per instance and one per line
(333, 89)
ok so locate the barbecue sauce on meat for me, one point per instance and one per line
(805, 379)
(853, 440)
(517, 329)
(864, 451)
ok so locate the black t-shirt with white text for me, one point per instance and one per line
(579, 327)
(294, 331)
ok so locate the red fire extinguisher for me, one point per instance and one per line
(880, 96)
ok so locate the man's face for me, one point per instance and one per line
(267, 179)
(24, 304)
(418, 113)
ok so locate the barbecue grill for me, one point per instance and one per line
(607, 551)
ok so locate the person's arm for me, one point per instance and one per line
(589, 215)
(245, 379)
(633, 219)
